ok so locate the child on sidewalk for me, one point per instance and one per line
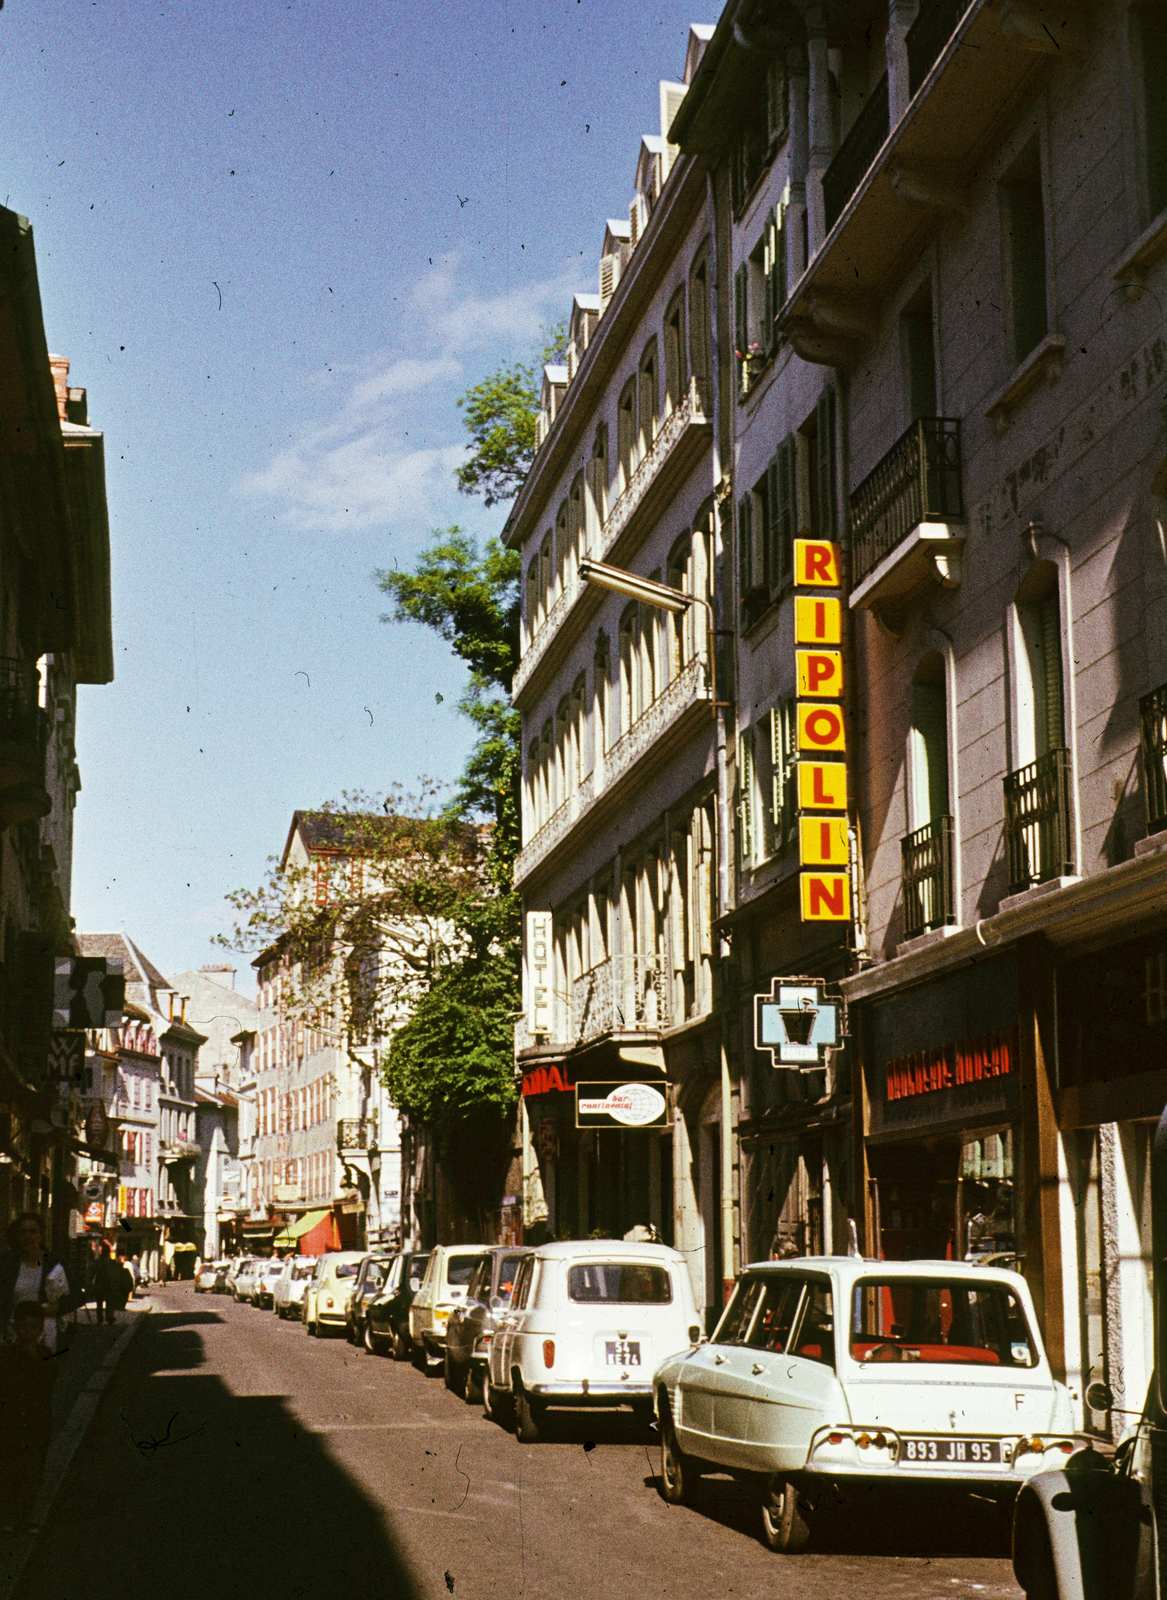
(27, 1375)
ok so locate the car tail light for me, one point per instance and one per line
(1066, 1447)
(864, 1441)
(328, 1302)
(549, 1352)
(836, 1438)
(880, 1441)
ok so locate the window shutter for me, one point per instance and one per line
(776, 101)
(745, 546)
(740, 321)
(782, 764)
(770, 310)
(825, 488)
(1051, 664)
(746, 795)
(786, 516)
(773, 540)
(778, 264)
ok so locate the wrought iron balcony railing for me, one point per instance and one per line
(1153, 748)
(918, 480)
(929, 900)
(355, 1133)
(625, 994)
(856, 153)
(928, 35)
(692, 410)
(1037, 821)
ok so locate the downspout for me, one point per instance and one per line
(723, 797)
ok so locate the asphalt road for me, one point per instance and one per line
(233, 1455)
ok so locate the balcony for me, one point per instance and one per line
(681, 705)
(356, 1133)
(902, 517)
(927, 37)
(684, 433)
(626, 994)
(24, 730)
(1153, 751)
(179, 1150)
(856, 153)
(929, 900)
(1037, 822)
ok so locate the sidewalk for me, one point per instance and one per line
(85, 1371)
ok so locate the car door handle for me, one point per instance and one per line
(718, 1360)
(756, 1368)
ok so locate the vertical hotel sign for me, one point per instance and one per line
(538, 972)
(823, 841)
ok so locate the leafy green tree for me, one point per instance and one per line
(500, 414)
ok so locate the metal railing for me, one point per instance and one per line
(918, 480)
(1037, 821)
(928, 35)
(929, 896)
(1153, 749)
(355, 1133)
(688, 686)
(19, 701)
(625, 994)
(856, 153)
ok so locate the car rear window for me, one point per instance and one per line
(948, 1321)
(619, 1283)
(460, 1269)
(507, 1273)
(300, 1273)
(347, 1269)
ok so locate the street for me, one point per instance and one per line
(233, 1454)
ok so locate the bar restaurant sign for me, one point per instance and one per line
(824, 847)
(620, 1105)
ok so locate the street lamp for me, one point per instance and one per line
(651, 593)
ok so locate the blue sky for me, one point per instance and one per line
(276, 242)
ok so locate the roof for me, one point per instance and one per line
(324, 832)
(139, 969)
(588, 302)
(863, 1266)
(569, 1249)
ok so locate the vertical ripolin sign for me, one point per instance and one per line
(823, 852)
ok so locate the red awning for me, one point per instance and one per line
(323, 1237)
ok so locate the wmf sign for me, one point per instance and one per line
(797, 1023)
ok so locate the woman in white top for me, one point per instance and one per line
(29, 1272)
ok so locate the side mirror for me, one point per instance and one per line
(496, 1300)
(1099, 1396)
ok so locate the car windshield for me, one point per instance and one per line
(506, 1276)
(460, 1268)
(375, 1276)
(619, 1282)
(950, 1321)
(417, 1271)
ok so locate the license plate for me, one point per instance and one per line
(951, 1452)
(622, 1352)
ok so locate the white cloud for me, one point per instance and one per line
(359, 469)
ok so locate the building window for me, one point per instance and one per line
(699, 319)
(649, 399)
(675, 363)
(601, 695)
(745, 808)
(1151, 35)
(1023, 210)
(928, 745)
(919, 351)
(626, 436)
(1040, 701)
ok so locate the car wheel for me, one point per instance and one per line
(418, 1356)
(454, 1375)
(530, 1419)
(400, 1346)
(786, 1516)
(373, 1345)
(497, 1404)
(680, 1475)
(472, 1392)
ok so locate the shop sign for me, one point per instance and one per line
(96, 1125)
(545, 1080)
(991, 1055)
(93, 1189)
(539, 988)
(88, 992)
(797, 1023)
(620, 1105)
(824, 842)
(94, 1215)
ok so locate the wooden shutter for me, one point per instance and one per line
(782, 755)
(746, 795)
(769, 309)
(773, 540)
(786, 514)
(825, 453)
(778, 264)
(741, 335)
(745, 546)
(1051, 671)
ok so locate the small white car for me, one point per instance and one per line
(830, 1370)
(205, 1277)
(447, 1273)
(269, 1274)
(243, 1286)
(589, 1321)
(288, 1292)
(327, 1290)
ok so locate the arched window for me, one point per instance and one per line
(649, 398)
(535, 817)
(630, 666)
(626, 436)
(547, 769)
(597, 470)
(601, 698)
(564, 778)
(699, 361)
(676, 355)
(575, 528)
(578, 730)
(928, 745)
(534, 616)
(546, 576)
(680, 626)
(1040, 695)
(562, 547)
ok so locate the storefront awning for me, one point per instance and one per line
(296, 1230)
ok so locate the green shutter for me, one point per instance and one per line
(773, 542)
(1051, 671)
(770, 237)
(746, 795)
(825, 488)
(787, 510)
(745, 546)
(784, 796)
(740, 321)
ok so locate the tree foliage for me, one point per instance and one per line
(500, 414)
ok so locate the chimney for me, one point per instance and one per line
(182, 1013)
(60, 370)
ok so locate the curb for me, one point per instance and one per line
(62, 1448)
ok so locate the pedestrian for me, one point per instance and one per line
(131, 1265)
(104, 1291)
(121, 1286)
(30, 1272)
(27, 1375)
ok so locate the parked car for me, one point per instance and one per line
(266, 1278)
(325, 1292)
(447, 1273)
(288, 1292)
(206, 1275)
(589, 1320)
(837, 1371)
(244, 1281)
(470, 1329)
(371, 1275)
(387, 1314)
(234, 1268)
(222, 1273)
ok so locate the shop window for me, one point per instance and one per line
(986, 1197)
(1084, 1156)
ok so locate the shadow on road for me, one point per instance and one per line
(185, 1489)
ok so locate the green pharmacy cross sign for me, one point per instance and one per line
(797, 1024)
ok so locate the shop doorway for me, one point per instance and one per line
(949, 1199)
